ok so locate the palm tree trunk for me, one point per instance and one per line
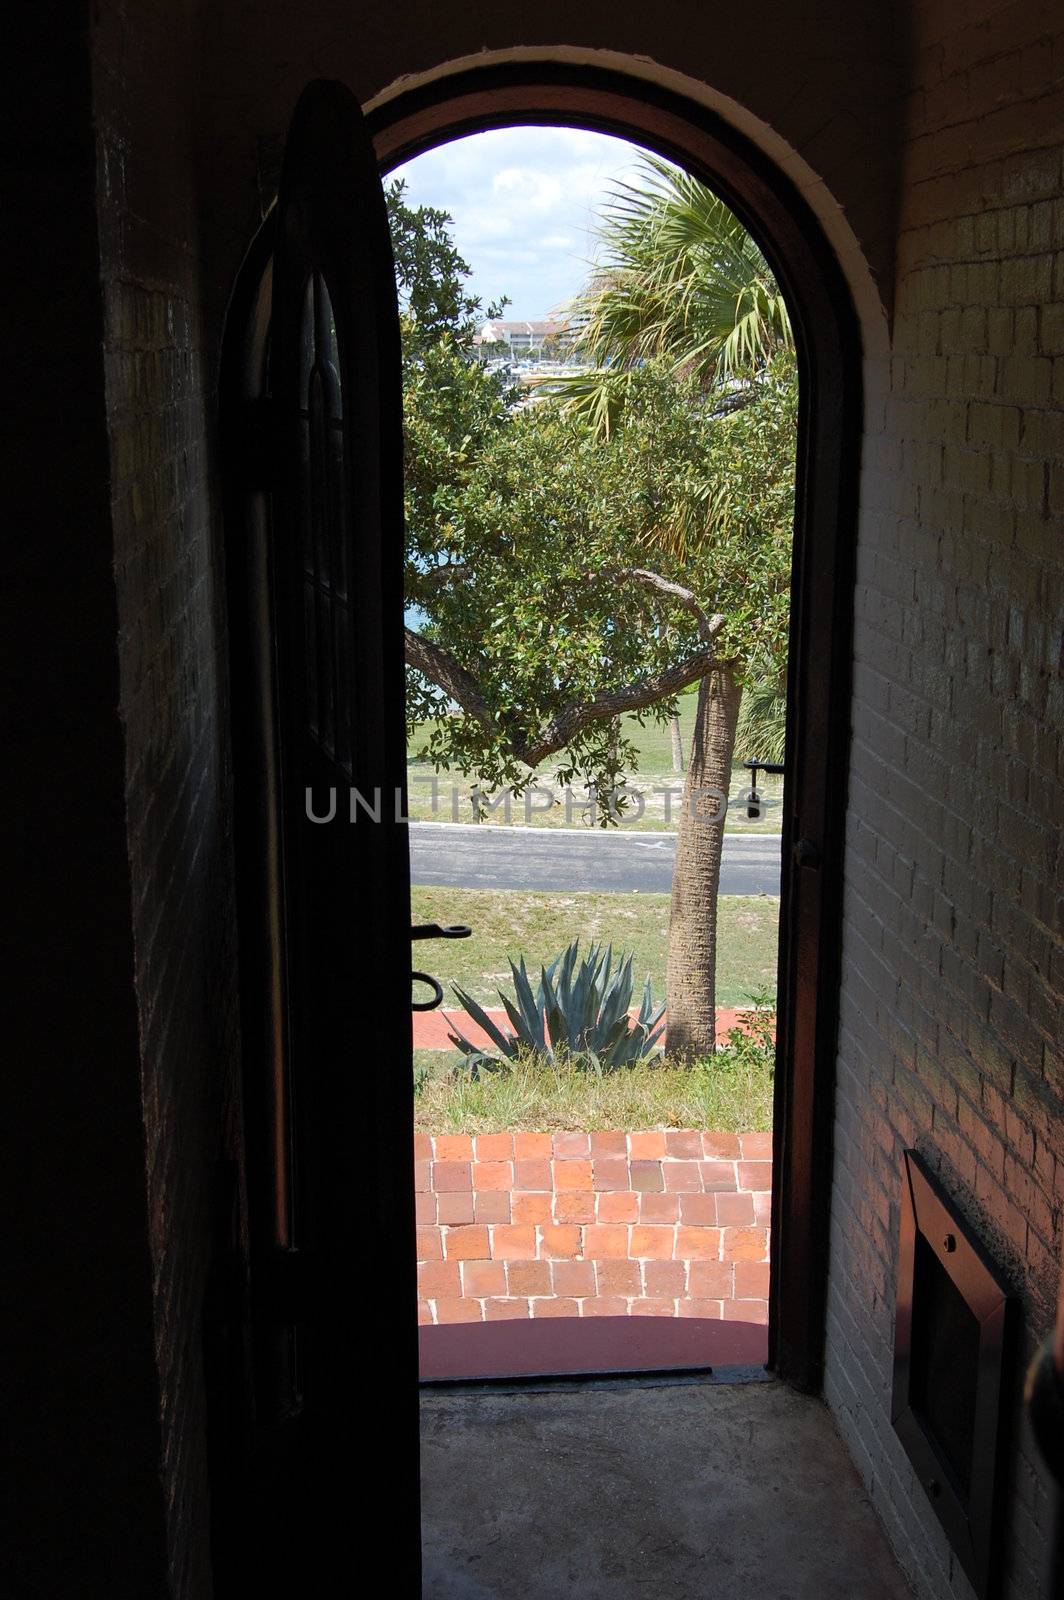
(677, 743)
(690, 983)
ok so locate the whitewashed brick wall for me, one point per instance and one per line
(953, 961)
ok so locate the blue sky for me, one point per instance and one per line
(523, 200)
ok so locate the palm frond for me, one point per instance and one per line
(679, 278)
(595, 399)
(761, 732)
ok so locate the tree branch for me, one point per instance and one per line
(433, 577)
(459, 685)
(574, 718)
(708, 627)
(441, 668)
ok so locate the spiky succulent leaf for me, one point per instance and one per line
(504, 1041)
(581, 1008)
(531, 1006)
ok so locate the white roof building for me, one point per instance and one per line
(522, 337)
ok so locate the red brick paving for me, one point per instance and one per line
(572, 1225)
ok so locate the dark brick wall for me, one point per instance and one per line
(160, 396)
(953, 957)
(79, 1400)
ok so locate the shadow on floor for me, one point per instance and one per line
(645, 1490)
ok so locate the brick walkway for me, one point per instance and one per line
(566, 1225)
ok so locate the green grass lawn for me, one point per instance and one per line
(510, 922)
(654, 772)
(730, 1094)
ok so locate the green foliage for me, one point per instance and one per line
(748, 488)
(752, 1042)
(530, 1095)
(578, 1013)
(730, 1091)
(451, 408)
(430, 276)
(762, 730)
(515, 529)
(518, 529)
(523, 526)
(732, 1094)
(452, 412)
(680, 280)
(682, 285)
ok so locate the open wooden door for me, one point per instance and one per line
(314, 443)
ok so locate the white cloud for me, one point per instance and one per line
(523, 202)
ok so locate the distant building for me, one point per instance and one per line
(548, 337)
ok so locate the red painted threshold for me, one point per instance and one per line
(557, 1346)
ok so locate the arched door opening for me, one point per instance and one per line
(593, 473)
(828, 348)
(825, 333)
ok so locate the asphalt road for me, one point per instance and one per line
(468, 856)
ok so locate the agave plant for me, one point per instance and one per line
(578, 1011)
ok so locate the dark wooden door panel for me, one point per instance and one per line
(333, 1451)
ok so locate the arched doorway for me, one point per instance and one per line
(828, 346)
(825, 329)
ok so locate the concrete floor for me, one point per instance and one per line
(638, 1492)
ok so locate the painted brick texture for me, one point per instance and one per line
(953, 963)
(666, 1224)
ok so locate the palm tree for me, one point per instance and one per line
(762, 726)
(681, 282)
(679, 279)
